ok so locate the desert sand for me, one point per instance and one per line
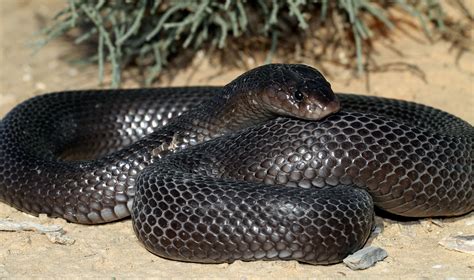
(112, 250)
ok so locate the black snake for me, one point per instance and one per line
(276, 177)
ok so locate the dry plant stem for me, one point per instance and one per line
(154, 33)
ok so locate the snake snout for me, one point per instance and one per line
(330, 108)
(317, 110)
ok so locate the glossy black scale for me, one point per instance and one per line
(405, 170)
(283, 189)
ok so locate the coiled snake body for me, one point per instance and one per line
(299, 186)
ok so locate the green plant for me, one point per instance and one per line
(151, 33)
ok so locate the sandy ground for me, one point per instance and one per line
(112, 250)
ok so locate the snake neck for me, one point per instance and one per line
(222, 115)
(233, 113)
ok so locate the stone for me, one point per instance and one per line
(460, 243)
(365, 258)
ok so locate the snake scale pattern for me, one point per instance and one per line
(273, 165)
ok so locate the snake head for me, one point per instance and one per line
(294, 90)
(299, 91)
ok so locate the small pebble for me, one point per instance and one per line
(378, 227)
(60, 238)
(437, 266)
(43, 217)
(40, 86)
(365, 258)
(460, 243)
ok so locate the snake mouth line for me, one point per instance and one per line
(312, 112)
(320, 111)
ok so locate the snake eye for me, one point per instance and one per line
(298, 95)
